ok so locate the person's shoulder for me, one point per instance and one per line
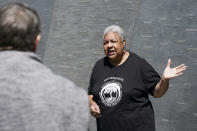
(142, 63)
(68, 93)
(72, 99)
(136, 58)
(64, 84)
(100, 62)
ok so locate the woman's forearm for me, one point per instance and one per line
(161, 87)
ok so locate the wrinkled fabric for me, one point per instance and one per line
(33, 98)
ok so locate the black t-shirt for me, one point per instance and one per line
(122, 94)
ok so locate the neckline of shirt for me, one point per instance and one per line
(122, 65)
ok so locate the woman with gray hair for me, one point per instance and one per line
(120, 84)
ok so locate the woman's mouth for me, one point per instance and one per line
(111, 52)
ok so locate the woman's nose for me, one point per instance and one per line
(110, 44)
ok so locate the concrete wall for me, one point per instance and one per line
(156, 30)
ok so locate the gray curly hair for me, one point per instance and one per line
(115, 28)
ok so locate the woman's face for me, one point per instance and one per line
(113, 46)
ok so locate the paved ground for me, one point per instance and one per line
(156, 30)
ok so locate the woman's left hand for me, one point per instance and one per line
(170, 73)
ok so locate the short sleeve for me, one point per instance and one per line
(150, 77)
(91, 83)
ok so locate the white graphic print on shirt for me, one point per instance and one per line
(111, 93)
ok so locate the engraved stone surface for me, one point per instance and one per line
(156, 30)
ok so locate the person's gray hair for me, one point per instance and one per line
(115, 28)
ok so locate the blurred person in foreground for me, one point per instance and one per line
(32, 97)
(120, 85)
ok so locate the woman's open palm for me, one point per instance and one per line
(170, 73)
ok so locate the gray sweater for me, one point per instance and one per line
(33, 98)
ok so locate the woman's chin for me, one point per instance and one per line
(112, 57)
